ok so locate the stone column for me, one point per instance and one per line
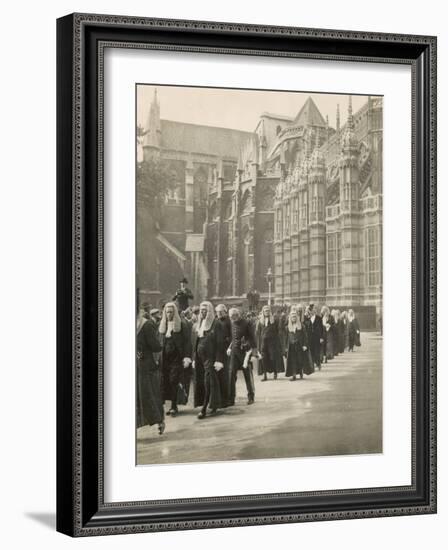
(189, 197)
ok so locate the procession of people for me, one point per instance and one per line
(200, 350)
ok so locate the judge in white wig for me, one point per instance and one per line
(175, 336)
(269, 344)
(296, 347)
(208, 359)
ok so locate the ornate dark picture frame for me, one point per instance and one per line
(81, 40)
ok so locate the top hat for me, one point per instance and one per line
(184, 280)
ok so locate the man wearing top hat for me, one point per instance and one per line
(183, 295)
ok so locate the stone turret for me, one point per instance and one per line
(152, 139)
(348, 166)
(350, 215)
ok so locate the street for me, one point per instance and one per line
(337, 410)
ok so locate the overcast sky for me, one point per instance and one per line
(238, 109)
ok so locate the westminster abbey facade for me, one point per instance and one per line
(294, 197)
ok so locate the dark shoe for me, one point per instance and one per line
(168, 413)
(293, 379)
(161, 428)
(275, 376)
(250, 401)
(301, 377)
(201, 415)
(173, 412)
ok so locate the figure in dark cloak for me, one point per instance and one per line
(342, 330)
(149, 382)
(269, 344)
(327, 325)
(208, 360)
(354, 333)
(296, 346)
(175, 334)
(313, 324)
(243, 341)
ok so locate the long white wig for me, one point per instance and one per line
(209, 318)
(176, 319)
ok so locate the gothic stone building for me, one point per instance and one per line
(294, 195)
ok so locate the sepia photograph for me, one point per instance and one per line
(258, 274)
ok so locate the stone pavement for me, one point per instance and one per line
(337, 410)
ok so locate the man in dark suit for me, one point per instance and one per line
(183, 295)
(315, 333)
(243, 340)
(225, 334)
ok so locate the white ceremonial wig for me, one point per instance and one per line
(291, 327)
(233, 310)
(261, 315)
(298, 308)
(209, 318)
(325, 310)
(176, 318)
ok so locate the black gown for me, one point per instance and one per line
(269, 344)
(149, 386)
(297, 359)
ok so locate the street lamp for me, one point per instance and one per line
(269, 279)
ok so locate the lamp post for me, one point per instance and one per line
(269, 279)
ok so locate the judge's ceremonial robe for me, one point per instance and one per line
(328, 336)
(297, 358)
(269, 345)
(208, 348)
(149, 383)
(341, 331)
(354, 336)
(175, 348)
(315, 334)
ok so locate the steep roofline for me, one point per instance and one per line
(249, 133)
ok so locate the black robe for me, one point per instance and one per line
(269, 345)
(315, 333)
(328, 332)
(297, 358)
(149, 387)
(341, 335)
(354, 337)
(206, 351)
(172, 363)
